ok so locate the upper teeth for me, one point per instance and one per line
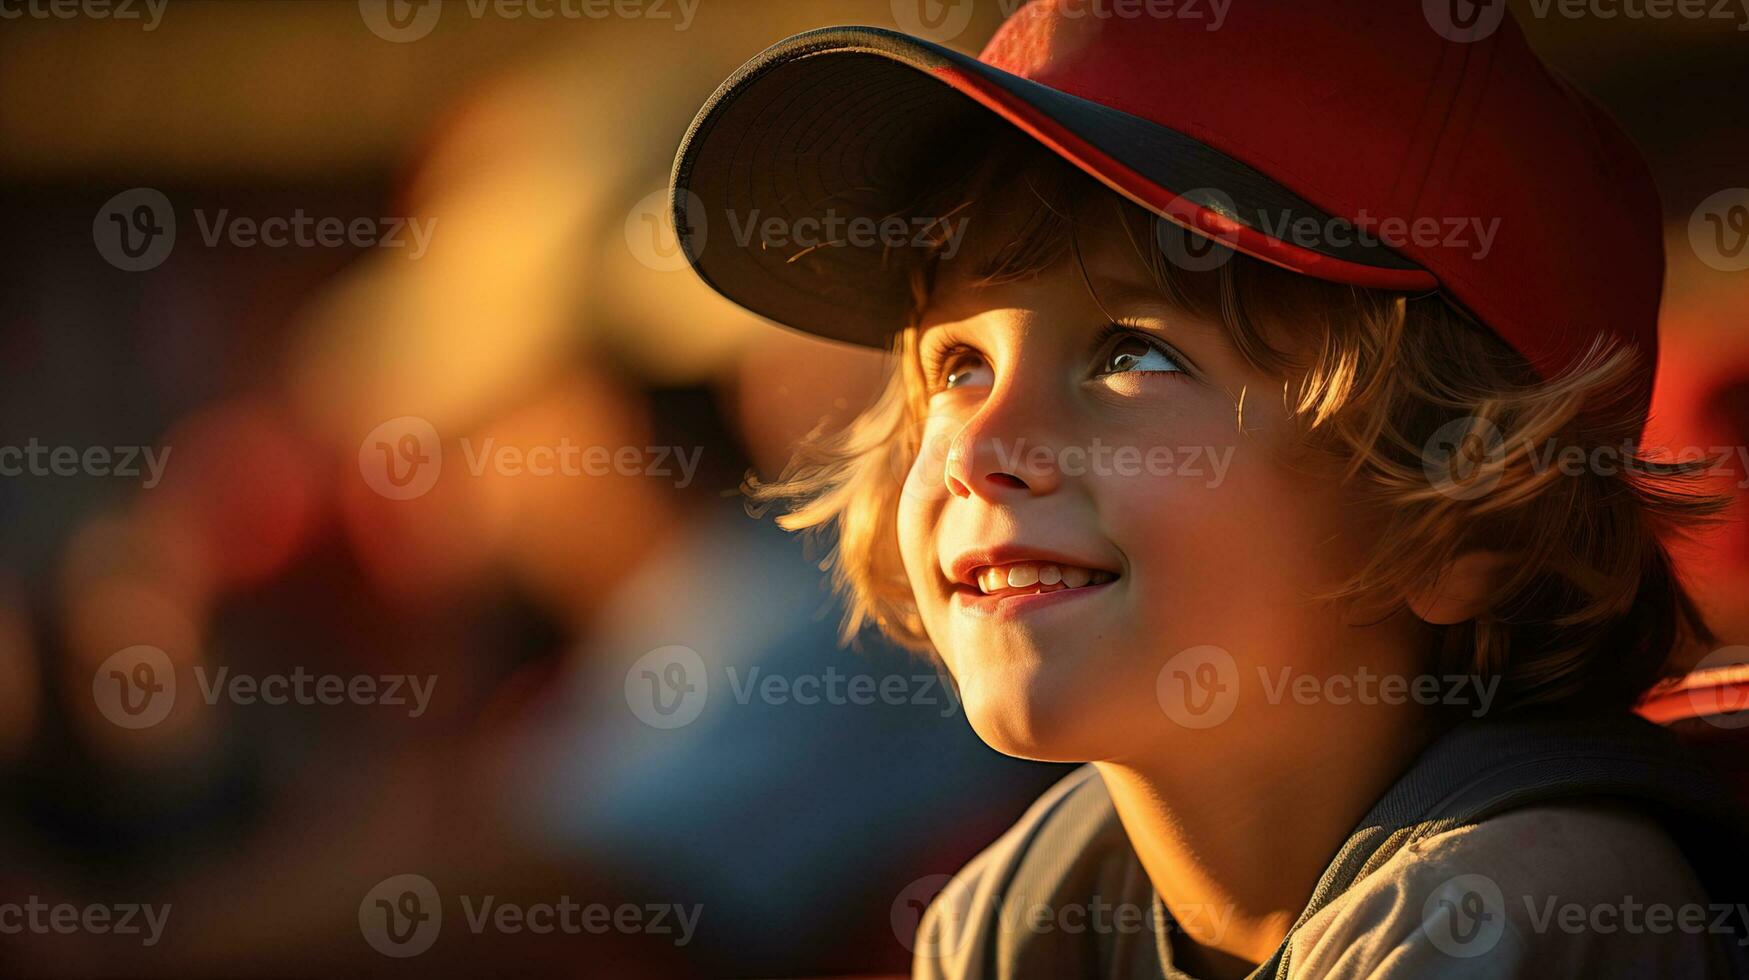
(1046, 576)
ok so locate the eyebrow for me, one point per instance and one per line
(1179, 319)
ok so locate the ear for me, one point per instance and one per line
(1463, 589)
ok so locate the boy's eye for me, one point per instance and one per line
(965, 369)
(1133, 353)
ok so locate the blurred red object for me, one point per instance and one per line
(1709, 710)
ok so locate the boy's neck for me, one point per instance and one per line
(1235, 845)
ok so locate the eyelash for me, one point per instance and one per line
(938, 357)
(1119, 328)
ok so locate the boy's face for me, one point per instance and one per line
(1145, 464)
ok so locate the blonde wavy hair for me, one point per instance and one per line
(1591, 610)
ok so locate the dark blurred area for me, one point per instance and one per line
(320, 488)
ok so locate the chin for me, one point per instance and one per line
(1023, 718)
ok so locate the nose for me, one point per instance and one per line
(1002, 454)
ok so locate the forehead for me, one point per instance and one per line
(1013, 253)
(1015, 237)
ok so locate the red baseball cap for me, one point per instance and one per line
(1394, 145)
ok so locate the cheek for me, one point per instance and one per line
(1230, 549)
(922, 495)
(916, 530)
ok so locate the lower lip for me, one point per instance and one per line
(974, 602)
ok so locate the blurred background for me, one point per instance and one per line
(297, 401)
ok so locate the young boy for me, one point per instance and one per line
(1232, 370)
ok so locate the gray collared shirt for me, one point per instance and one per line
(1546, 891)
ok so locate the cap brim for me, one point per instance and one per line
(827, 125)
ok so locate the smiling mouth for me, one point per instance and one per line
(1023, 578)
